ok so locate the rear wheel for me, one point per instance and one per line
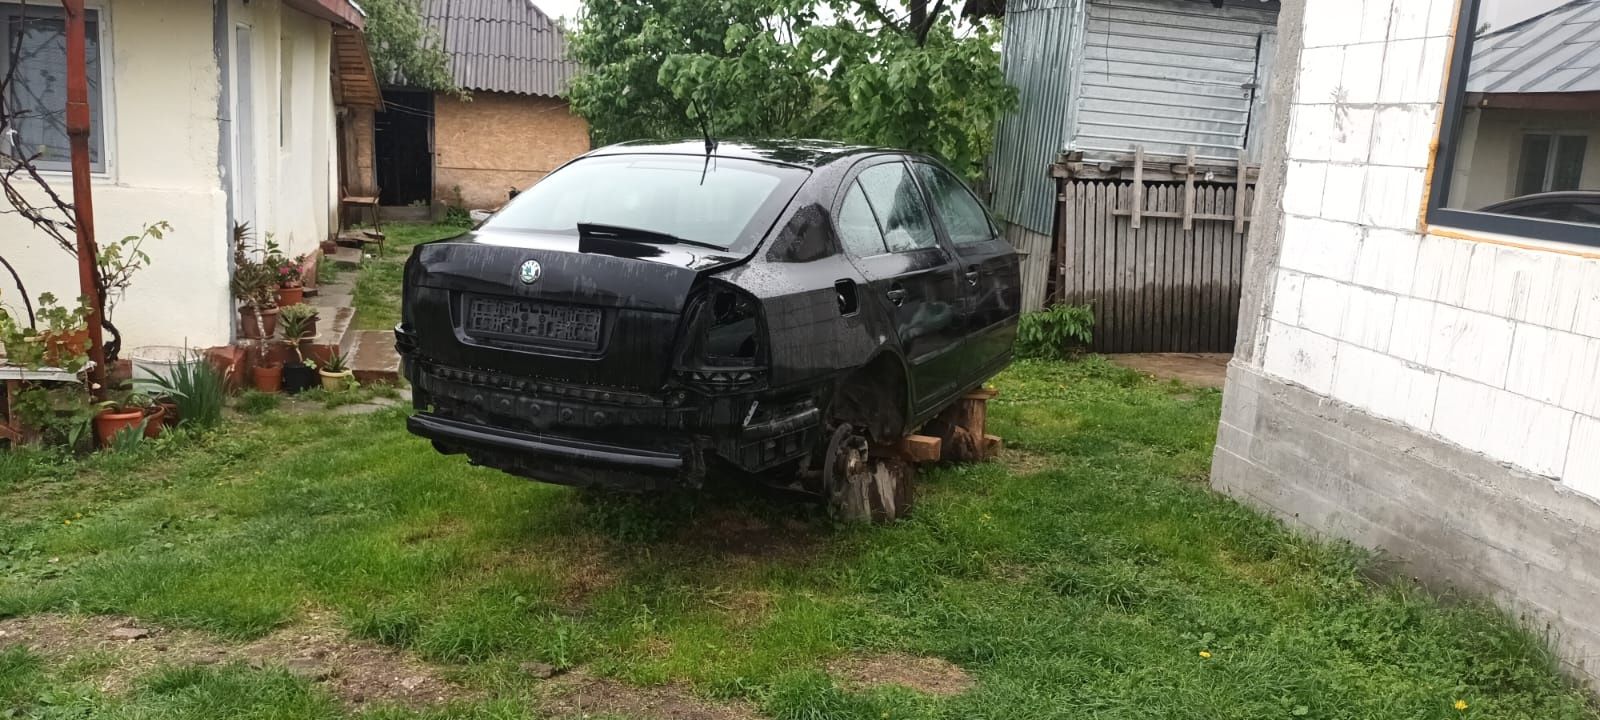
(862, 487)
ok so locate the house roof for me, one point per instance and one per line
(502, 46)
(1555, 52)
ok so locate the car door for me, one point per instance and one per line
(886, 230)
(990, 270)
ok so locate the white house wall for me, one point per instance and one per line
(1429, 392)
(161, 148)
(162, 164)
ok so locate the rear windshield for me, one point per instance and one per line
(661, 193)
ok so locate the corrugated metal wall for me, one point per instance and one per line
(1036, 54)
(1168, 75)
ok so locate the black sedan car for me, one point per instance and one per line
(652, 312)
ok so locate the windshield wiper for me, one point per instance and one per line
(653, 237)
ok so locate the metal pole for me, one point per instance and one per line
(82, 202)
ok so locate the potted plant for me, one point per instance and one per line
(124, 413)
(291, 286)
(254, 286)
(266, 375)
(336, 373)
(297, 323)
(66, 330)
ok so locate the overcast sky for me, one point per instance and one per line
(560, 9)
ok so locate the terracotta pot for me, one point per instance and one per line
(169, 413)
(247, 323)
(267, 378)
(279, 353)
(107, 423)
(154, 423)
(291, 295)
(335, 381)
(329, 247)
(61, 346)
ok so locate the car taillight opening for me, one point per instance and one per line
(724, 348)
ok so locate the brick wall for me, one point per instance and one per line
(497, 141)
(1407, 388)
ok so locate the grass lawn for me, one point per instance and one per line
(1089, 575)
(377, 296)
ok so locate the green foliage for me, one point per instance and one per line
(404, 48)
(50, 344)
(456, 216)
(1085, 571)
(119, 260)
(1055, 332)
(255, 402)
(377, 296)
(775, 68)
(197, 387)
(61, 414)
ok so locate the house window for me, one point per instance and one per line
(36, 44)
(1550, 163)
(1522, 110)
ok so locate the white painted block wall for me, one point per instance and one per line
(1492, 347)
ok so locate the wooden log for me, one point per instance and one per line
(992, 445)
(922, 448)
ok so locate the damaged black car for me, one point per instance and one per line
(650, 313)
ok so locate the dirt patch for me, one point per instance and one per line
(579, 695)
(121, 649)
(930, 675)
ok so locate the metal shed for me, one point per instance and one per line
(1103, 81)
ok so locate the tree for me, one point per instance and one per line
(405, 49)
(910, 76)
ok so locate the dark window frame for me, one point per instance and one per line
(1445, 159)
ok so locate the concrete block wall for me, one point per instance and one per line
(1492, 347)
(1430, 393)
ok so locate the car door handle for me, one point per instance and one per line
(896, 295)
(972, 275)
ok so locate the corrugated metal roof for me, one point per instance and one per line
(1556, 52)
(505, 46)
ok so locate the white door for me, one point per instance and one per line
(244, 131)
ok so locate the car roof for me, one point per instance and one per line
(1559, 196)
(797, 152)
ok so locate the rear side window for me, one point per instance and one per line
(963, 216)
(858, 229)
(899, 207)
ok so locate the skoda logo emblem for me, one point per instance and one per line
(530, 272)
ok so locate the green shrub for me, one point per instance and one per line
(255, 402)
(1055, 332)
(198, 389)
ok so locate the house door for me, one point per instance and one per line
(403, 144)
(244, 149)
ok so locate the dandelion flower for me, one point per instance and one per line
(66, 522)
(1461, 704)
(1205, 653)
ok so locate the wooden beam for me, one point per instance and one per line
(921, 448)
(1188, 191)
(1138, 186)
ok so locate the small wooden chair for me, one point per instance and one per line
(359, 202)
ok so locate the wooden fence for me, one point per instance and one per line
(1156, 287)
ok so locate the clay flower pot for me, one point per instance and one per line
(107, 423)
(335, 381)
(291, 295)
(154, 422)
(247, 323)
(267, 378)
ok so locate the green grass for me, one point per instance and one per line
(377, 296)
(1083, 578)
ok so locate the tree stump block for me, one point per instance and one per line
(962, 427)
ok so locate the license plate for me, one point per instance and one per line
(526, 320)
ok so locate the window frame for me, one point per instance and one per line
(910, 174)
(1451, 119)
(933, 209)
(104, 103)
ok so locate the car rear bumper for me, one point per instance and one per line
(472, 435)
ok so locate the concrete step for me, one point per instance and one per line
(346, 258)
(373, 357)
